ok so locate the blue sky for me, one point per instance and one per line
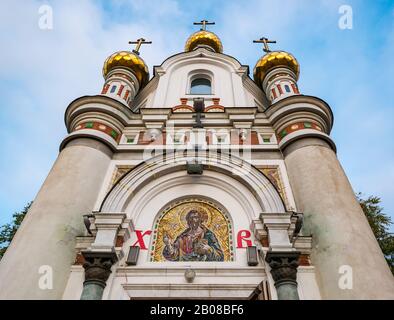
(42, 71)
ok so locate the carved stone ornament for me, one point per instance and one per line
(98, 265)
(283, 266)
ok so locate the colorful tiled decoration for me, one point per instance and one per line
(274, 176)
(118, 173)
(297, 126)
(100, 127)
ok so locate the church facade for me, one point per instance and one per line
(200, 183)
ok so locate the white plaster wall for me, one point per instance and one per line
(175, 83)
(74, 285)
(307, 285)
(170, 282)
(227, 81)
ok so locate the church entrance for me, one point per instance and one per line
(193, 232)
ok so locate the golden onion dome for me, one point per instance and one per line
(204, 37)
(128, 60)
(272, 60)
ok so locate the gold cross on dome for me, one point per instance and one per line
(265, 43)
(138, 43)
(203, 24)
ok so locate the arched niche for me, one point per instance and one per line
(206, 237)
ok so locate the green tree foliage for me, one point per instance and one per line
(8, 230)
(380, 224)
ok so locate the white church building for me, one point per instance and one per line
(203, 181)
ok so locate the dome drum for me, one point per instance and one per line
(121, 84)
(280, 83)
(123, 75)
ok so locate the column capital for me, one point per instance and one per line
(283, 266)
(98, 266)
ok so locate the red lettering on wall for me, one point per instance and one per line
(243, 237)
(140, 238)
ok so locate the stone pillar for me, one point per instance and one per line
(101, 255)
(97, 270)
(340, 230)
(284, 272)
(47, 234)
(278, 225)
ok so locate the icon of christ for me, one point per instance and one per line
(196, 243)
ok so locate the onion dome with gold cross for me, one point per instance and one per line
(273, 59)
(204, 38)
(129, 60)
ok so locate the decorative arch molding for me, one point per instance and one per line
(208, 57)
(171, 203)
(176, 184)
(224, 165)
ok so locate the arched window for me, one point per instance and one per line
(200, 86)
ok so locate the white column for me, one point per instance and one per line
(47, 234)
(342, 237)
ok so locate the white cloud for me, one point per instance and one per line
(43, 71)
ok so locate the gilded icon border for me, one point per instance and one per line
(171, 220)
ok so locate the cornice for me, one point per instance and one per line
(90, 103)
(298, 99)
